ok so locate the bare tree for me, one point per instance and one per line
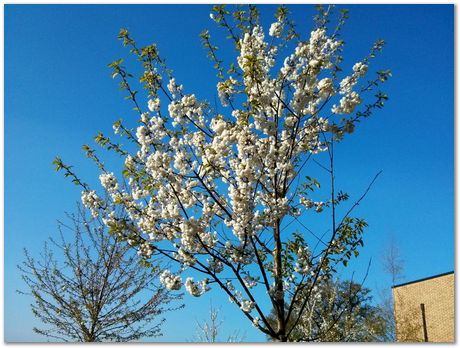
(210, 330)
(393, 265)
(92, 289)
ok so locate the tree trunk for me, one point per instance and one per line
(279, 294)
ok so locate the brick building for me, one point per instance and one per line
(424, 309)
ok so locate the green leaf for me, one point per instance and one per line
(57, 164)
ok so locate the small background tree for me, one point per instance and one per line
(393, 265)
(392, 261)
(92, 289)
(210, 331)
(340, 311)
(407, 326)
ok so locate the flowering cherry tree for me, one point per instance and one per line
(215, 193)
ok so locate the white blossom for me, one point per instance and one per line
(247, 306)
(275, 29)
(360, 69)
(226, 89)
(91, 201)
(145, 249)
(319, 206)
(154, 104)
(174, 88)
(326, 87)
(348, 104)
(170, 281)
(109, 182)
(196, 289)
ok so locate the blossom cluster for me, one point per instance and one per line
(196, 288)
(170, 281)
(92, 201)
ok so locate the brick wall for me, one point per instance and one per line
(437, 295)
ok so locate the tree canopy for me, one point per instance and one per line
(92, 288)
(218, 193)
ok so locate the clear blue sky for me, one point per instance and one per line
(58, 93)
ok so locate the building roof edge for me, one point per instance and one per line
(422, 279)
